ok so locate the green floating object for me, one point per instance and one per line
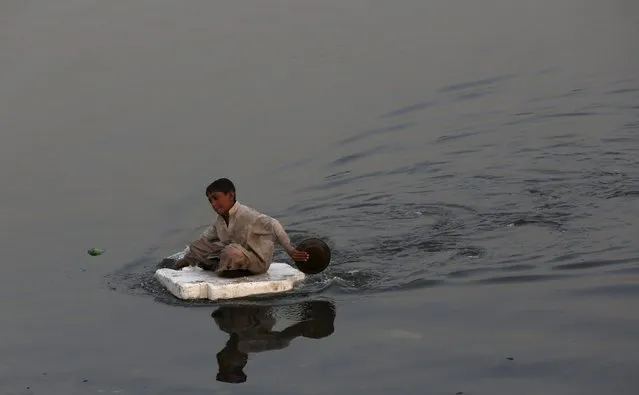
(95, 251)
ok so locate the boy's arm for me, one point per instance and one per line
(210, 233)
(281, 236)
(283, 239)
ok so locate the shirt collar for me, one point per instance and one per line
(233, 209)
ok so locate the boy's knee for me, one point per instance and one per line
(234, 256)
(232, 253)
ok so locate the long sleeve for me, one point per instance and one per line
(270, 227)
(281, 236)
(210, 233)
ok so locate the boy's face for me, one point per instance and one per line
(222, 202)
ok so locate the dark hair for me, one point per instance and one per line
(223, 185)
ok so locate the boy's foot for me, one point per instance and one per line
(234, 273)
(180, 263)
(209, 265)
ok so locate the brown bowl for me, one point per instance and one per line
(319, 256)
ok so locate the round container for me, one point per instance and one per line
(319, 256)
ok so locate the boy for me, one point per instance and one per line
(240, 239)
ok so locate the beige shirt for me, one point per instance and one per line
(254, 231)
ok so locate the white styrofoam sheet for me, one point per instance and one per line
(195, 283)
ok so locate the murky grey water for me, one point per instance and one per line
(473, 166)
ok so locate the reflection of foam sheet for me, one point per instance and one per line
(195, 283)
(250, 329)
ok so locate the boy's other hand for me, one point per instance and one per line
(299, 256)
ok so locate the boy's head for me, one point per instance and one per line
(221, 195)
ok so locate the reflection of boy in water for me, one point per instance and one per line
(251, 330)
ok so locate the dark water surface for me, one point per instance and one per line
(473, 165)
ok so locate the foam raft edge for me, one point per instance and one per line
(191, 283)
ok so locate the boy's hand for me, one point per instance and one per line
(299, 256)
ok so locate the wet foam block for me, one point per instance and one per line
(195, 283)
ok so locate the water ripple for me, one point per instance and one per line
(477, 83)
(375, 132)
(475, 195)
(409, 109)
